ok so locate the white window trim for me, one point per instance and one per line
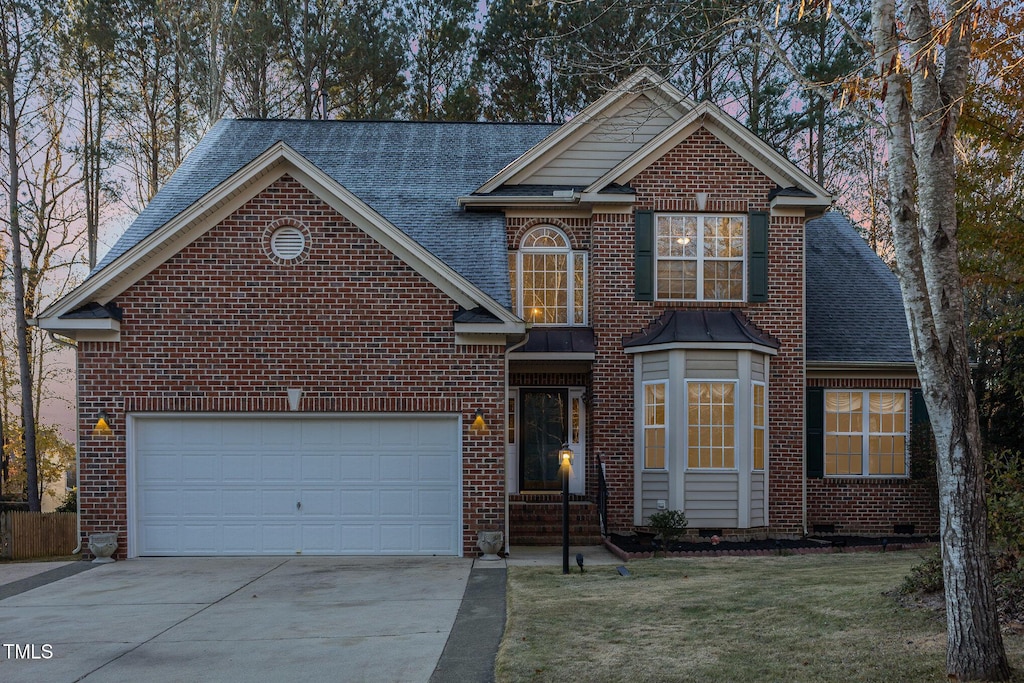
(754, 428)
(736, 456)
(866, 435)
(643, 425)
(572, 256)
(700, 254)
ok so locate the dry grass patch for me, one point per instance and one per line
(793, 618)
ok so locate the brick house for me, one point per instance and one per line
(337, 337)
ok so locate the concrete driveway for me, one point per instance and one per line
(242, 619)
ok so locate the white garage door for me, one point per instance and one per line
(318, 486)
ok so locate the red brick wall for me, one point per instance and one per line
(874, 506)
(220, 327)
(701, 163)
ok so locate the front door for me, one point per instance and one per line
(543, 430)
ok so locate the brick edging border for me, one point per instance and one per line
(892, 547)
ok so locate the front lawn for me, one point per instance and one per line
(790, 618)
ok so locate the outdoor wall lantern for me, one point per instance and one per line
(565, 455)
(102, 427)
(479, 425)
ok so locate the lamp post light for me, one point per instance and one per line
(565, 456)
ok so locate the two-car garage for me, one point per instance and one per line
(283, 485)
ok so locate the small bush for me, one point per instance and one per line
(925, 577)
(70, 503)
(668, 524)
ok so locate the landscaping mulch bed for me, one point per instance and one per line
(630, 547)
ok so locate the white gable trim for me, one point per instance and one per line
(754, 150)
(643, 82)
(229, 196)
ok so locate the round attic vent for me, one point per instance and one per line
(287, 243)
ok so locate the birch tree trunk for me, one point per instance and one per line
(922, 56)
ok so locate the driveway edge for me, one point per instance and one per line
(473, 643)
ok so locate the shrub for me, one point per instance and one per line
(925, 577)
(70, 503)
(668, 524)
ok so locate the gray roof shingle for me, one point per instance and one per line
(410, 173)
(854, 306)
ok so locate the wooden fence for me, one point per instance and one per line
(25, 535)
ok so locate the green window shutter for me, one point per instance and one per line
(757, 257)
(644, 262)
(922, 450)
(918, 409)
(814, 417)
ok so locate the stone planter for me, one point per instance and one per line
(103, 546)
(490, 543)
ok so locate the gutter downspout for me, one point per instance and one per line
(504, 404)
(78, 439)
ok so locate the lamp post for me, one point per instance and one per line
(565, 455)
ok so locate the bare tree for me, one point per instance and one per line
(22, 30)
(922, 55)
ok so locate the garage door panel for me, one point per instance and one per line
(201, 467)
(358, 503)
(319, 502)
(318, 433)
(202, 434)
(277, 502)
(357, 467)
(398, 434)
(240, 469)
(240, 502)
(396, 537)
(200, 539)
(340, 485)
(161, 539)
(437, 503)
(200, 503)
(358, 539)
(160, 467)
(161, 502)
(278, 467)
(318, 468)
(401, 468)
(242, 539)
(435, 468)
(434, 538)
(397, 503)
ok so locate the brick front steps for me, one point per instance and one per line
(536, 519)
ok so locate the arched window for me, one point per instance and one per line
(548, 278)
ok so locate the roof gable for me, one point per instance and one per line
(133, 261)
(607, 131)
(757, 152)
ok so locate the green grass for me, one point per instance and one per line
(790, 618)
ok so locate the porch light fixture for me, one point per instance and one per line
(702, 201)
(102, 427)
(565, 455)
(479, 425)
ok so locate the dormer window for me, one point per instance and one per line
(548, 279)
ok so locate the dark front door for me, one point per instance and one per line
(543, 414)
